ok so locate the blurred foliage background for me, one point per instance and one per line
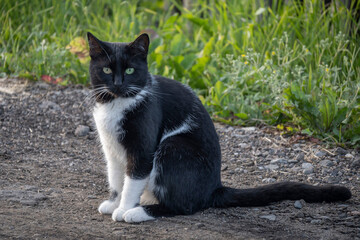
(292, 64)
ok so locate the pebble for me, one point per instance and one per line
(300, 157)
(308, 171)
(279, 161)
(315, 221)
(307, 165)
(29, 202)
(320, 154)
(199, 225)
(49, 105)
(341, 151)
(308, 168)
(298, 204)
(349, 156)
(268, 180)
(42, 85)
(224, 167)
(243, 145)
(355, 164)
(248, 129)
(270, 217)
(271, 167)
(82, 131)
(326, 163)
(355, 213)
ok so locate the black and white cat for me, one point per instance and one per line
(161, 146)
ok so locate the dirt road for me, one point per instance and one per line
(52, 177)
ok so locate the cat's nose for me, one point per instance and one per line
(118, 80)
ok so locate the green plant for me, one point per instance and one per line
(250, 63)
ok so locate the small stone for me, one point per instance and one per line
(199, 225)
(293, 161)
(29, 202)
(40, 197)
(300, 214)
(42, 85)
(248, 129)
(308, 171)
(224, 167)
(320, 154)
(82, 131)
(315, 221)
(355, 213)
(326, 163)
(298, 205)
(355, 164)
(50, 105)
(279, 161)
(31, 188)
(300, 157)
(268, 180)
(271, 167)
(243, 145)
(349, 156)
(270, 217)
(307, 165)
(341, 151)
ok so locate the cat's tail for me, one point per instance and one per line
(261, 196)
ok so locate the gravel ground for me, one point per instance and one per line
(52, 177)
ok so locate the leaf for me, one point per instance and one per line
(51, 80)
(242, 116)
(204, 23)
(260, 11)
(155, 43)
(188, 61)
(177, 44)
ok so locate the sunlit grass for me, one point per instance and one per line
(250, 63)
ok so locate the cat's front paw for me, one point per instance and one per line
(108, 207)
(117, 215)
(136, 214)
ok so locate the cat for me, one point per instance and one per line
(160, 144)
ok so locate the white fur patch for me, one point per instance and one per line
(133, 189)
(130, 196)
(186, 126)
(108, 118)
(137, 214)
(108, 207)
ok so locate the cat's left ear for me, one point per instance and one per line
(141, 44)
(95, 45)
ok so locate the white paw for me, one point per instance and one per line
(118, 214)
(137, 214)
(108, 207)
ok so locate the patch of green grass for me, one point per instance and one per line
(250, 63)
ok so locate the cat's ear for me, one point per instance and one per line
(95, 45)
(141, 44)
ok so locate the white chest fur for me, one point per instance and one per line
(108, 119)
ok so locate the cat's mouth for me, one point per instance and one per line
(105, 94)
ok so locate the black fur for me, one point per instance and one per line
(188, 163)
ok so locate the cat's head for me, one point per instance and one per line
(118, 69)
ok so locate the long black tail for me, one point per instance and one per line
(261, 196)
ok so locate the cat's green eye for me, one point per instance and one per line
(129, 71)
(107, 70)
